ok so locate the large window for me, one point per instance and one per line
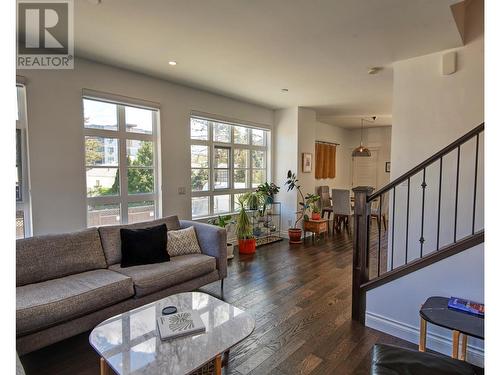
(121, 162)
(23, 213)
(226, 161)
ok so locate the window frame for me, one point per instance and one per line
(122, 135)
(24, 203)
(212, 145)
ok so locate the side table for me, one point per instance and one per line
(317, 227)
(435, 310)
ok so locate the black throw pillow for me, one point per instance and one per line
(144, 246)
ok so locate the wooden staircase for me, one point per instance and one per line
(373, 265)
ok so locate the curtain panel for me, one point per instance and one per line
(325, 160)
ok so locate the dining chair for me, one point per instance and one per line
(380, 204)
(325, 202)
(341, 208)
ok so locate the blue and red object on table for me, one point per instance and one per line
(466, 305)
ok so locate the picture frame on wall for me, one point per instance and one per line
(388, 167)
(306, 162)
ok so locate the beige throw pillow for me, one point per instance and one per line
(182, 242)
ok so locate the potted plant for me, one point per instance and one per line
(253, 200)
(294, 233)
(268, 191)
(311, 200)
(246, 240)
(224, 222)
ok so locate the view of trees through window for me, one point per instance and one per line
(226, 160)
(115, 148)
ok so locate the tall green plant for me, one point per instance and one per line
(293, 183)
(243, 225)
(253, 200)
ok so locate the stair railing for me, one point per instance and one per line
(367, 244)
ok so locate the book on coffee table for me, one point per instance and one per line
(180, 324)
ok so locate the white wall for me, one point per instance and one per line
(429, 112)
(54, 99)
(285, 158)
(306, 144)
(377, 139)
(310, 130)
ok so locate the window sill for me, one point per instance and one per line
(202, 218)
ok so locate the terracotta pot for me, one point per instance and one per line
(316, 216)
(247, 246)
(295, 235)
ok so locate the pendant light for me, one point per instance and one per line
(362, 151)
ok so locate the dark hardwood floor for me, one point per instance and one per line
(300, 296)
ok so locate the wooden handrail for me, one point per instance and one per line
(443, 253)
(478, 129)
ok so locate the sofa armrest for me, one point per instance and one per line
(212, 241)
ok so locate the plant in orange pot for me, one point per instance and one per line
(311, 200)
(294, 233)
(246, 240)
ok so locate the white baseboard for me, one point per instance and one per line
(438, 343)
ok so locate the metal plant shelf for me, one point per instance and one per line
(266, 226)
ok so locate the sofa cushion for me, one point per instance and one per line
(153, 277)
(110, 235)
(183, 242)
(48, 257)
(144, 246)
(54, 301)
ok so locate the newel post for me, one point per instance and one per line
(360, 243)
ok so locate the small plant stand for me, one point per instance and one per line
(267, 227)
(317, 227)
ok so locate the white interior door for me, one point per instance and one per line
(364, 170)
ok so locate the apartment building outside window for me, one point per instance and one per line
(227, 160)
(121, 162)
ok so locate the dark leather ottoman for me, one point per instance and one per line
(392, 360)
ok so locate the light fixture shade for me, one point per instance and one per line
(361, 151)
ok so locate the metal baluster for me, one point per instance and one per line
(368, 219)
(407, 220)
(456, 194)
(393, 221)
(379, 231)
(475, 186)
(439, 200)
(424, 185)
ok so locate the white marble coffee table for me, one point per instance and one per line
(129, 343)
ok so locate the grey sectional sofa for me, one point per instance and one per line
(66, 284)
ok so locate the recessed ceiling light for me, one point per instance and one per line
(284, 90)
(173, 63)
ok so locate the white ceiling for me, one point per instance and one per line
(351, 122)
(319, 49)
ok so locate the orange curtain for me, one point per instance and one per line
(325, 155)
